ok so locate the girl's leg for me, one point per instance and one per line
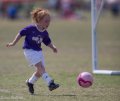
(36, 75)
(40, 72)
(48, 80)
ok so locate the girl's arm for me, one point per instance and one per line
(53, 47)
(17, 38)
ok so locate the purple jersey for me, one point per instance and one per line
(34, 38)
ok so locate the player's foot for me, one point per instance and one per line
(30, 87)
(53, 86)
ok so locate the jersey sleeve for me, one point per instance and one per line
(46, 39)
(23, 32)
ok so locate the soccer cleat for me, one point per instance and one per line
(53, 86)
(30, 87)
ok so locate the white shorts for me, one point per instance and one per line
(34, 57)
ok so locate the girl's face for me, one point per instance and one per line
(44, 23)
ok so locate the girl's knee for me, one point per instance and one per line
(38, 74)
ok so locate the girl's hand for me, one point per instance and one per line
(53, 47)
(17, 38)
(10, 44)
(55, 50)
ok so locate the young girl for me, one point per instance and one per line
(35, 35)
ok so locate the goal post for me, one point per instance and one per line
(95, 15)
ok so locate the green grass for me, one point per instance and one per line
(73, 39)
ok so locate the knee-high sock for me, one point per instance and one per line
(46, 78)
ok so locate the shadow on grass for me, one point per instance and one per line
(70, 95)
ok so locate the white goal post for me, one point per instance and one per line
(94, 20)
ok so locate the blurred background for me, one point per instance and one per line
(17, 9)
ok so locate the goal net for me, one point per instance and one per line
(105, 40)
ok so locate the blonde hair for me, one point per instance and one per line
(38, 14)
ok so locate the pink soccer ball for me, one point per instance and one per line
(85, 79)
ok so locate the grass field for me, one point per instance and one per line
(73, 39)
